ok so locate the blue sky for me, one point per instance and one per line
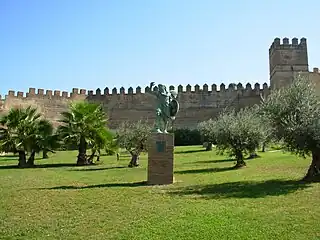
(92, 44)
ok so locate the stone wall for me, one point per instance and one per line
(314, 77)
(196, 104)
(49, 103)
(286, 59)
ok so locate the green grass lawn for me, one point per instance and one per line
(208, 201)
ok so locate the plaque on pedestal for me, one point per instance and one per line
(160, 158)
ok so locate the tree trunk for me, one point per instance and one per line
(98, 155)
(30, 162)
(82, 158)
(313, 173)
(263, 147)
(45, 154)
(253, 155)
(240, 162)
(22, 159)
(209, 146)
(90, 159)
(134, 160)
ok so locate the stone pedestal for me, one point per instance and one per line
(160, 159)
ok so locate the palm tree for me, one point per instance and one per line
(112, 147)
(43, 139)
(18, 130)
(47, 139)
(99, 140)
(83, 125)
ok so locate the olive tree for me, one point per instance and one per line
(294, 113)
(236, 133)
(205, 129)
(133, 137)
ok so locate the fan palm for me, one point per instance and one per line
(99, 140)
(83, 125)
(18, 129)
(43, 139)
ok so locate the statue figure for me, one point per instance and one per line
(167, 107)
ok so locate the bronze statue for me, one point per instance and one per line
(167, 107)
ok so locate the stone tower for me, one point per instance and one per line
(286, 60)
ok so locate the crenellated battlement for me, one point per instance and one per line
(41, 93)
(316, 70)
(286, 44)
(287, 59)
(75, 93)
(1, 102)
(197, 102)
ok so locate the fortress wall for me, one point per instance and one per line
(196, 105)
(314, 77)
(287, 58)
(49, 103)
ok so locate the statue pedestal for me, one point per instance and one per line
(160, 159)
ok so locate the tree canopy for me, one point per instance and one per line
(206, 131)
(84, 125)
(237, 133)
(23, 130)
(294, 114)
(133, 137)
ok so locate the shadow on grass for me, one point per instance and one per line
(252, 157)
(97, 169)
(191, 151)
(204, 170)
(213, 161)
(134, 184)
(15, 157)
(9, 156)
(53, 165)
(243, 189)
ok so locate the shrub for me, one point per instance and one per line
(187, 137)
